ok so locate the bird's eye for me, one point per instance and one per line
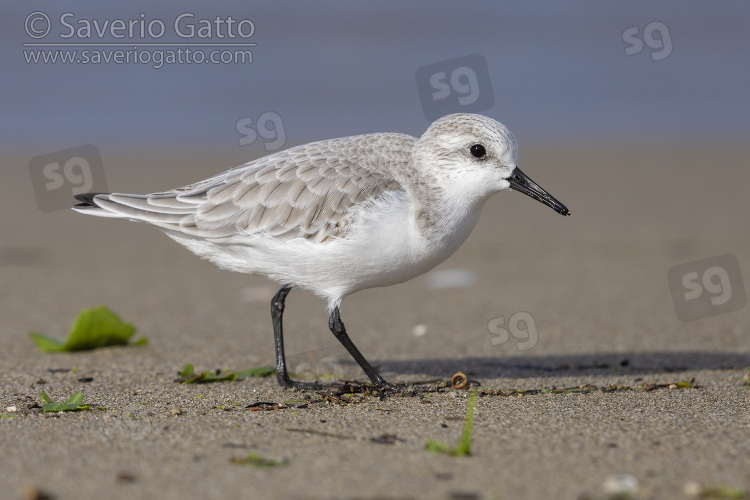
(478, 151)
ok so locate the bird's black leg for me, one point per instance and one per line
(277, 311)
(337, 327)
(339, 331)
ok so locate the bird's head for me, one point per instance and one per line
(473, 157)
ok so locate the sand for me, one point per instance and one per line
(595, 285)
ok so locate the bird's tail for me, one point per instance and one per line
(164, 211)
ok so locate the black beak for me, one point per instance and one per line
(523, 184)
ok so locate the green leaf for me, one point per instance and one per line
(208, 377)
(259, 462)
(72, 404)
(724, 492)
(464, 446)
(97, 327)
(261, 371)
(190, 377)
(76, 399)
(47, 344)
(437, 446)
(188, 371)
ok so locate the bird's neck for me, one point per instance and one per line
(445, 218)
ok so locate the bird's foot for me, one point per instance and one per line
(288, 383)
(386, 387)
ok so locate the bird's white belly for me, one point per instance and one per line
(385, 247)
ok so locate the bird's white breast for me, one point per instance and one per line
(384, 246)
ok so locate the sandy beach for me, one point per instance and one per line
(594, 285)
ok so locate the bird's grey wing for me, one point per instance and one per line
(306, 191)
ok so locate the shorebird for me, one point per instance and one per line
(341, 215)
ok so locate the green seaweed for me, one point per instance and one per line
(188, 375)
(259, 462)
(723, 492)
(464, 446)
(72, 404)
(97, 327)
(260, 371)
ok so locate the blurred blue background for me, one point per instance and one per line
(559, 73)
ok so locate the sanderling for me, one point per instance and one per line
(338, 216)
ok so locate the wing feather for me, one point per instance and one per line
(307, 191)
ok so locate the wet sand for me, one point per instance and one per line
(595, 285)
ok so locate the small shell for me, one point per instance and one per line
(460, 381)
